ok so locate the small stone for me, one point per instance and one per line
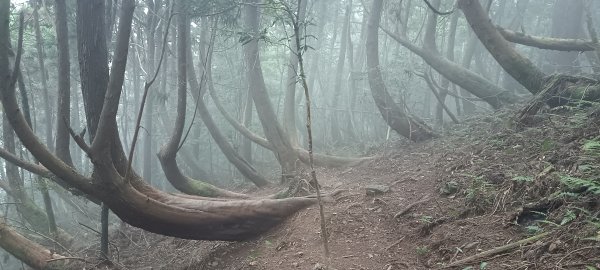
(318, 266)
(295, 264)
(214, 263)
(253, 263)
(376, 189)
(554, 246)
(299, 253)
(471, 245)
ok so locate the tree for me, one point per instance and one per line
(395, 116)
(518, 66)
(131, 198)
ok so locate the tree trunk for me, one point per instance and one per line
(336, 134)
(43, 75)
(63, 105)
(567, 22)
(289, 108)
(514, 63)
(468, 80)
(168, 152)
(93, 60)
(149, 116)
(132, 199)
(27, 251)
(395, 116)
(277, 137)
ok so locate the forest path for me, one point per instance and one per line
(453, 197)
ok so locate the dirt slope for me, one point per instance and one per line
(483, 185)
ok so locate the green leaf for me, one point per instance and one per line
(483, 266)
(548, 145)
(569, 216)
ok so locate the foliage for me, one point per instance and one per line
(580, 184)
(522, 179)
(422, 250)
(479, 194)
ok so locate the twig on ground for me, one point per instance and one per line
(395, 243)
(410, 206)
(497, 250)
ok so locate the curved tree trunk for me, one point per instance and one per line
(277, 137)
(395, 116)
(319, 159)
(468, 80)
(167, 155)
(131, 199)
(519, 67)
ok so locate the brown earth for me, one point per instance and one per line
(482, 185)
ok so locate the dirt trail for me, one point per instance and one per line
(465, 198)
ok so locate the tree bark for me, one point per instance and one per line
(27, 251)
(93, 60)
(63, 105)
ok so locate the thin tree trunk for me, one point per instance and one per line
(43, 75)
(149, 116)
(337, 83)
(289, 107)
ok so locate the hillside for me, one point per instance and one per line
(486, 183)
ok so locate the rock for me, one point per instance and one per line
(295, 264)
(318, 266)
(214, 263)
(253, 263)
(299, 253)
(376, 189)
(554, 246)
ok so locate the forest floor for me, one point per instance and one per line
(486, 183)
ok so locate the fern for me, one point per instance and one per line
(570, 215)
(592, 147)
(575, 183)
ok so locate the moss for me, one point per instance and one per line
(200, 188)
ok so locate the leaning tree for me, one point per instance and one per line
(113, 181)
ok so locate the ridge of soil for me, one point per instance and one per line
(468, 201)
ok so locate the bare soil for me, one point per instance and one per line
(473, 187)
